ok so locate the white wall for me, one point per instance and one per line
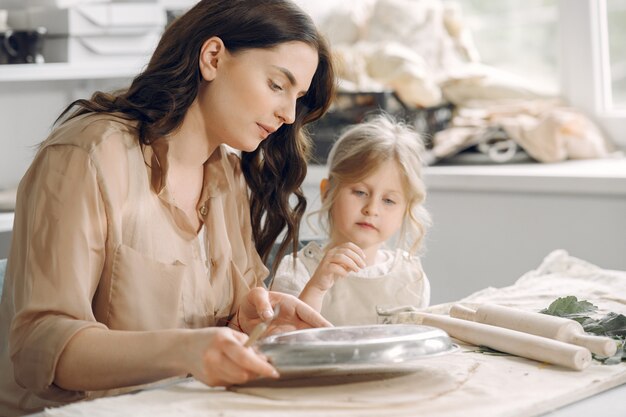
(27, 111)
(482, 239)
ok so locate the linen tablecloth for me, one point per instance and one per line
(464, 383)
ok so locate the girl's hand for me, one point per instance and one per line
(216, 356)
(337, 263)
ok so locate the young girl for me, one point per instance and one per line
(374, 190)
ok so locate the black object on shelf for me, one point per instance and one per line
(350, 108)
(22, 46)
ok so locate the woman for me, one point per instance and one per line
(138, 235)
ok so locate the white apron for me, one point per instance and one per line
(353, 299)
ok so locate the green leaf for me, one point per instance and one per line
(610, 325)
(569, 307)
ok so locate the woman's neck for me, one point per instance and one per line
(188, 146)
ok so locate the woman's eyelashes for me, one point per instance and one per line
(274, 86)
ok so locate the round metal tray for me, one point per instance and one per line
(371, 348)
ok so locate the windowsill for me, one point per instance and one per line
(589, 177)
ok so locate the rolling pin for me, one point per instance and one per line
(553, 327)
(506, 340)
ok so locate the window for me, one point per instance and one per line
(616, 14)
(571, 48)
(520, 37)
(593, 61)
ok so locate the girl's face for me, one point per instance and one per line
(254, 92)
(371, 211)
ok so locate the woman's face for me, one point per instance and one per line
(254, 92)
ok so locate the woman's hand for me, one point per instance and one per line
(337, 262)
(217, 357)
(225, 359)
(259, 305)
(92, 360)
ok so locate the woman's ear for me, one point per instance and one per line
(324, 184)
(211, 55)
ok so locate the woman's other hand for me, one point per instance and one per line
(215, 356)
(294, 314)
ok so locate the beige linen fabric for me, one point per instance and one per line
(99, 242)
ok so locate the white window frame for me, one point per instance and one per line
(585, 65)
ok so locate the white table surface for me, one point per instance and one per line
(610, 403)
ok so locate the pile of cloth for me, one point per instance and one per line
(521, 130)
(423, 50)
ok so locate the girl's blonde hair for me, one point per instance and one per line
(361, 150)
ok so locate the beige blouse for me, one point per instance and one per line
(99, 242)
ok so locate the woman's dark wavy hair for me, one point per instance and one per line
(159, 97)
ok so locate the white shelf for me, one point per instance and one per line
(71, 71)
(588, 177)
(6, 222)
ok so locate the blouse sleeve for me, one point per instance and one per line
(58, 255)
